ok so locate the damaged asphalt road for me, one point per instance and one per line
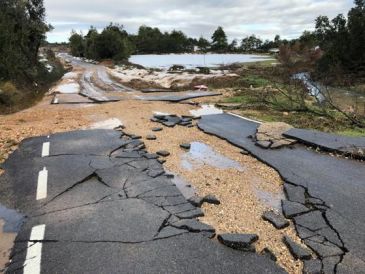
(96, 202)
(325, 194)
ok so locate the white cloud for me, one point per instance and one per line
(195, 17)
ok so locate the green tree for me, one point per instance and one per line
(77, 44)
(356, 29)
(203, 44)
(149, 40)
(113, 43)
(251, 43)
(219, 39)
(22, 31)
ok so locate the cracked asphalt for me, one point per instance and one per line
(325, 194)
(97, 202)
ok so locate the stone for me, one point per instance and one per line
(296, 250)
(275, 219)
(185, 146)
(196, 201)
(161, 161)
(312, 267)
(292, 209)
(238, 241)
(156, 129)
(211, 199)
(163, 153)
(135, 137)
(268, 253)
(151, 137)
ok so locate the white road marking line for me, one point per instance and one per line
(32, 264)
(45, 149)
(42, 184)
(244, 118)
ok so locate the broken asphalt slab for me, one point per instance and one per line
(107, 208)
(333, 187)
(352, 146)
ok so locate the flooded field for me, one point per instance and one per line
(165, 61)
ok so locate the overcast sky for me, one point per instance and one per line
(239, 18)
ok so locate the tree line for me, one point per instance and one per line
(115, 43)
(22, 31)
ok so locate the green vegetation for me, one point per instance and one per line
(22, 76)
(268, 94)
(112, 43)
(334, 51)
(150, 40)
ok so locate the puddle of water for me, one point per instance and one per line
(10, 224)
(68, 88)
(201, 154)
(107, 124)
(13, 219)
(270, 199)
(185, 188)
(206, 110)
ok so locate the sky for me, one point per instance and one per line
(239, 18)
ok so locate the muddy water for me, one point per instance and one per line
(201, 154)
(10, 223)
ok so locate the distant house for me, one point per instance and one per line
(274, 51)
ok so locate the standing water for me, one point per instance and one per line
(201, 154)
(166, 61)
(10, 224)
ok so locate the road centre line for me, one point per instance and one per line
(45, 149)
(42, 184)
(32, 264)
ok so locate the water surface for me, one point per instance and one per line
(194, 60)
(201, 154)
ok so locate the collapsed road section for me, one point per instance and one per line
(97, 202)
(325, 194)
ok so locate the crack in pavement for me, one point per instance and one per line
(150, 215)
